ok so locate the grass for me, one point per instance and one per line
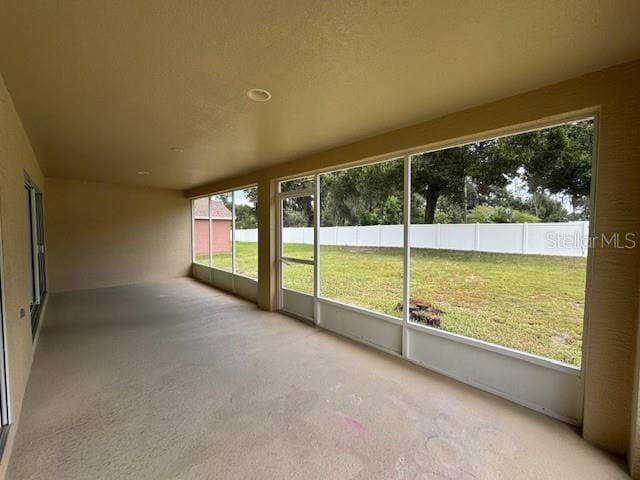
(532, 303)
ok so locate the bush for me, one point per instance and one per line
(524, 217)
(441, 217)
(488, 214)
(480, 214)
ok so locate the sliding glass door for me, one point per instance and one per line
(36, 248)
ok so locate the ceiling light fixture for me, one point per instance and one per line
(176, 149)
(143, 172)
(258, 95)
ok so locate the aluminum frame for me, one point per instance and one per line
(282, 259)
(407, 325)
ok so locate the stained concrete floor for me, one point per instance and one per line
(176, 380)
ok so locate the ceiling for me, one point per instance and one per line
(106, 89)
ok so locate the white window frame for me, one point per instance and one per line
(230, 280)
(544, 372)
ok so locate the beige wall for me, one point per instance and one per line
(96, 235)
(102, 234)
(611, 330)
(16, 158)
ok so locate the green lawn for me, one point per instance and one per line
(532, 303)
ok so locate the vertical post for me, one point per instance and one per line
(438, 235)
(406, 252)
(585, 238)
(193, 232)
(525, 237)
(316, 250)
(210, 253)
(233, 240)
(279, 247)
(233, 232)
(476, 242)
(379, 235)
(268, 241)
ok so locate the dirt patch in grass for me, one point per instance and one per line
(421, 311)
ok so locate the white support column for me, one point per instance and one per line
(193, 232)
(406, 277)
(233, 240)
(279, 242)
(525, 237)
(210, 254)
(316, 250)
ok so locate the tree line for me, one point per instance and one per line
(542, 175)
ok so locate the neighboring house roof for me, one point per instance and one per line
(218, 209)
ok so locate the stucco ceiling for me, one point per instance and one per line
(106, 88)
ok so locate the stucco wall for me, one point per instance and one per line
(16, 158)
(102, 234)
(612, 310)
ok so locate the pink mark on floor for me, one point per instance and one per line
(352, 423)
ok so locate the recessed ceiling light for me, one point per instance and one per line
(258, 95)
(176, 149)
(143, 172)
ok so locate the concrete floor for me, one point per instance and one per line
(176, 380)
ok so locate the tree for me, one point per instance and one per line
(555, 160)
(520, 176)
(246, 217)
(449, 172)
(552, 161)
(368, 195)
(298, 210)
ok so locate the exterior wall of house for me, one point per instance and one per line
(221, 236)
(611, 411)
(16, 159)
(201, 237)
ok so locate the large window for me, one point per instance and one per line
(361, 236)
(497, 236)
(246, 232)
(498, 247)
(221, 227)
(201, 231)
(225, 232)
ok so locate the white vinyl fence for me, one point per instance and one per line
(564, 239)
